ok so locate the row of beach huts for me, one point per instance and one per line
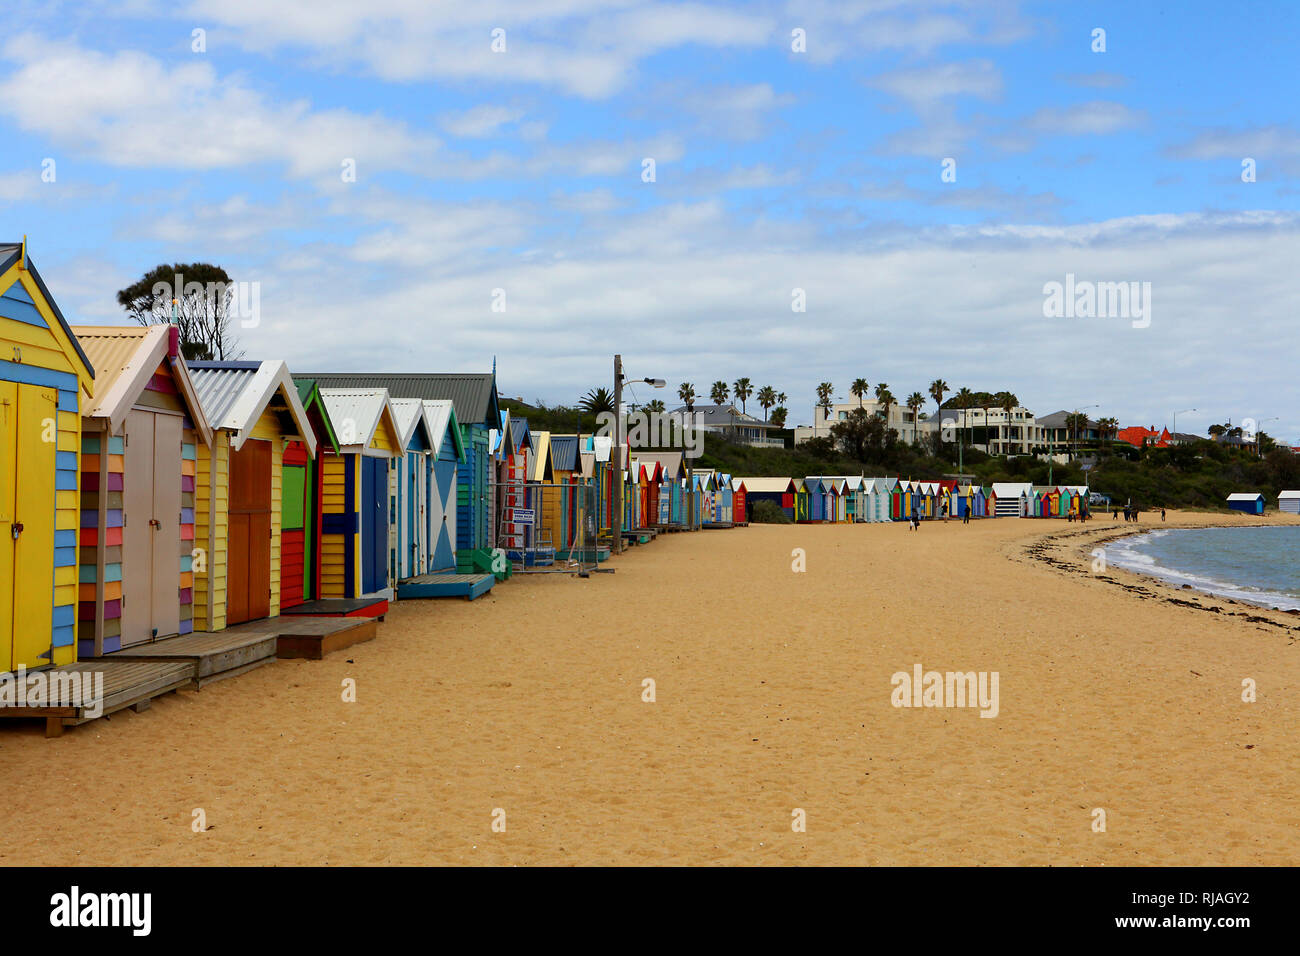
(144, 497)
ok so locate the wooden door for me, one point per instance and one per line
(374, 524)
(248, 576)
(27, 497)
(137, 529)
(167, 525)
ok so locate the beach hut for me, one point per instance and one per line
(986, 502)
(409, 491)
(739, 502)
(300, 503)
(649, 478)
(139, 440)
(254, 412)
(779, 491)
(449, 456)
(478, 411)
(1251, 503)
(1289, 502)
(567, 484)
(45, 377)
(1012, 499)
(356, 514)
(879, 498)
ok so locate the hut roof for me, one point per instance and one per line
(234, 395)
(126, 357)
(365, 408)
(474, 395)
(442, 415)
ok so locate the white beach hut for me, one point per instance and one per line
(1288, 501)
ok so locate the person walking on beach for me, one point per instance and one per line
(1162, 514)
(965, 515)
(916, 521)
(945, 510)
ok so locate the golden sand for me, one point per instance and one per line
(773, 693)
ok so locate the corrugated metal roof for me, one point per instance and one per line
(1288, 495)
(441, 414)
(355, 412)
(115, 351)
(219, 385)
(409, 413)
(1245, 496)
(564, 452)
(474, 395)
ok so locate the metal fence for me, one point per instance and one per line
(546, 527)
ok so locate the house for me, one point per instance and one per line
(1251, 503)
(140, 438)
(300, 503)
(409, 490)
(254, 412)
(728, 422)
(45, 377)
(1289, 502)
(478, 411)
(355, 548)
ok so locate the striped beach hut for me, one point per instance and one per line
(478, 411)
(356, 514)
(140, 438)
(1011, 499)
(408, 491)
(566, 472)
(1288, 502)
(45, 377)
(254, 412)
(300, 503)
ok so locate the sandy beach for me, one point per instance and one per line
(772, 693)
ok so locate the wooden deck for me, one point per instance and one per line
(215, 655)
(126, 684)
(312, 638)
(468, 586)
(340, 607)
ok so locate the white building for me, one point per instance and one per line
(900, 419)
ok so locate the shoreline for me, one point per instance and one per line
(1064, 550)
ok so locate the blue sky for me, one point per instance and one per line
(775, 170)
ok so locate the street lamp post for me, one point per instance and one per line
(616, 451)
(1176, 414)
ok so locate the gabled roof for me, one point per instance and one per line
(540, 467)
(442, 415)
(358, 413)
(15, 252)
(564, 452)
(1245, 496)
(474, 395)
(1287, 495)
(309, 395)
(673, 462)
(234, 395)
(410, 418)
(766, 485)
(1012, 489)
(127, 356)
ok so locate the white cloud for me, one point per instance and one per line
(130, 109)
(479, 121)
(1096, 118)
(924, 85)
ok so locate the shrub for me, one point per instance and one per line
(768, 512)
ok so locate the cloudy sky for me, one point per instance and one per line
(795, 146)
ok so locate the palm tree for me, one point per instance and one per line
(655, 406)
(742, 390)
(886, 399)
(914, 403)
(597, 400)
(780, 398)
(859, 388)
(1109, 427)
(686, 392)
(964, 399)
(938, 389)
(766, 399)
(720, 392)
(824, 392)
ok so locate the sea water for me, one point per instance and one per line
(1260, 565)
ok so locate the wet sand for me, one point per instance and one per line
(773, 693)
